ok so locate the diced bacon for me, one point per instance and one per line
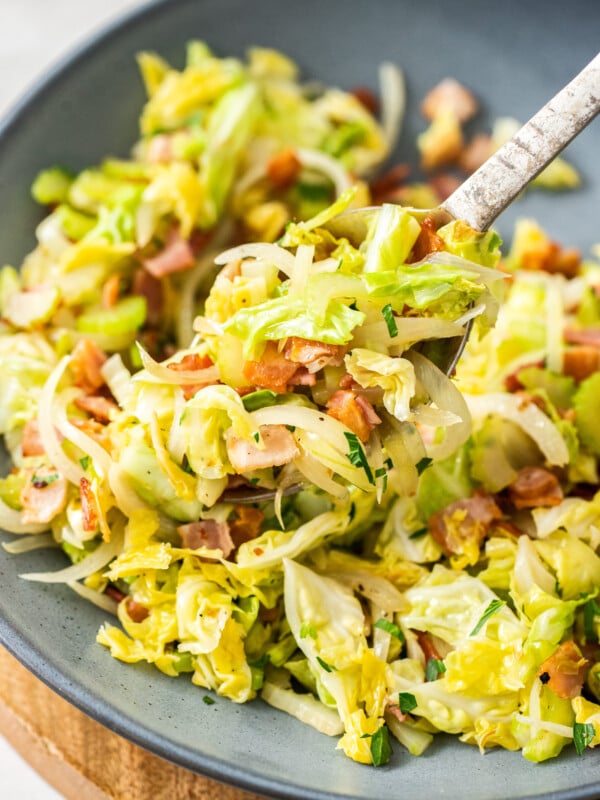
(384, 188)
(89, 506)
(136, 611)
(444, 184)
(191, 362)
(534, 487)
(564, 671)
(512, 382)
(427, 646)
(344, 406)
(176, 256)
(207, 533)
(478, 150)
(100, 408)
(581, 361)
(464, 523)
(94, 429)
(283, 168)
(86, 361)
(160, 149)
(395, 710)
(43, 496)
(367, 98)
(116, 594)
(269, 615)
(280, 448)
(427, 241)
(312, 354)
(151, 289)
(31, 443)
(110, 291)
(273, 371)
(302, 377)
(449, 95)
(246, 524)
(589, 336)
(551, 257)
(347, 382)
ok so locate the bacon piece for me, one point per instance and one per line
(312, 354)
(427, 646)
(395, 710)
(283, 168)
(551, 257)
(348, 382)
(246, 524)
(176, 256)
(89, 506)
(464, 523)
(43, 496)
(110, 291)
(564, 671)
(367, 98)
(478, 150)
(273, 371)
(31, 443)
(581, 361)
(444, 184)
(151, 289)
(449, 95)
(189, 363)
(86, 361)
(280, 448)
(160, 149)
(302, 377)
(358, 415)
(116, 594)
(384, 188)
(100, 408)
(512, 382)
(427, 241)
(136, 611)
(535, 486)
(206, 533)
(589, 336)
(92, 428)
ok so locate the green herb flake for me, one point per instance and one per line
(435, 667)
(260, 663)
(407, 702)
(41, 482)
(591, 610)
(418, 533)
(208, 701)
(423, 464)
(260, 399)
(493, 608)
(291, 428)
(85, 462)
(583, 735)
(307, 629)
(391, 628)
(390, 320)
(256, 436)
(356, 455)
(253, 481)
(381, 749)
(327, 667)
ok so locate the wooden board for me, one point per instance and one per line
(82, 759)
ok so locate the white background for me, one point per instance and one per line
(33, 35)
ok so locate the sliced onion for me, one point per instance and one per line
(101, 556)
(445, 395)
(163, 374)
(486, 274)
(546, 725)
(410, 330)
(271, 253)
(118, 379)
(392, 88)
(47, 422)
(207, 327)
(308, 419)
(317, 474)
(176, 442)
(326, 165)
(528, 417)
(99, 599)
(97, 453)
(26, 544)
(375, 588)
(11, 522)
(555, 322)
(304, 707)
(128, 501)
(302, 268)
(186, 310)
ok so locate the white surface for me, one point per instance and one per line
(33, 35)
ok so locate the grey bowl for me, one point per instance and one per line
(515, 55)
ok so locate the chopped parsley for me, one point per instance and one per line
(85, 462)
(390, 320)
(435, 667)
(208, 701)
(418, 533)
(260, 663)
(391, 628)
(423, 464)
(256, 436)
(583, 735)
(493, 608)
(407, 702)
(327, 667)
(356, 455)
(41, 482)
(381, 749)
(590, 612)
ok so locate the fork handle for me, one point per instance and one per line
(489, 190)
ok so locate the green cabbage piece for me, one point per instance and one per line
(390, 238)
(463, 241)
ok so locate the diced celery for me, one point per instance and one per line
(125, 316)
(51, 186)
(75, 224)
